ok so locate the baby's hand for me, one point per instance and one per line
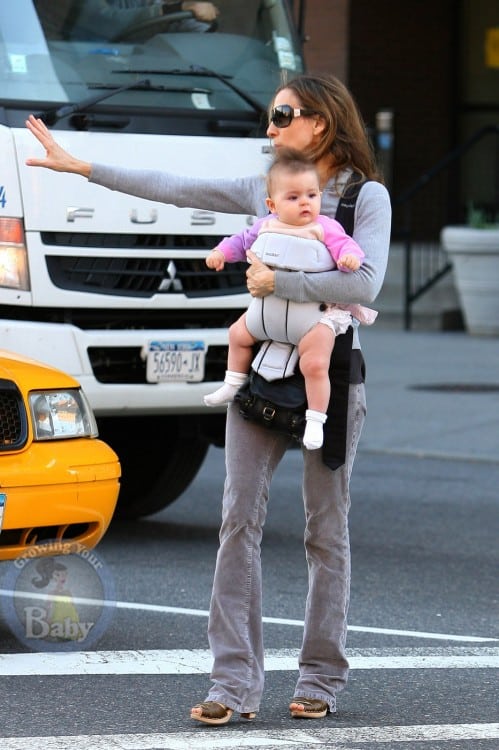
(348, 262)
(216, 260)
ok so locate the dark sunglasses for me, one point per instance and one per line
(282, 115)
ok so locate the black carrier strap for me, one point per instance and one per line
(347, 365)
(345, 212)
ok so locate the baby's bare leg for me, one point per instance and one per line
(238, 364)
(315, 351)
(241, 344)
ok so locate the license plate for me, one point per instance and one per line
(3, 500)
(181, 361)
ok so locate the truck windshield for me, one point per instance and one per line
(57, 53)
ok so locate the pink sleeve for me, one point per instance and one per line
(234, 248)
(337, 241)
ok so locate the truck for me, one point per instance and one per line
(114, 289)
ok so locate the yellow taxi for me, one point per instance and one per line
(58, 481)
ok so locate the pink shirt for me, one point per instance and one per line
(329, 231)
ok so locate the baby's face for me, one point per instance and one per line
(297, 198)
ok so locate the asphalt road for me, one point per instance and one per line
(423, 639)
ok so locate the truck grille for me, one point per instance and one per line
(124, 364)
(129, 319)
(131, 241)
(13, 422)
(144, 277)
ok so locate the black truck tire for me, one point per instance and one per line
(159, 456)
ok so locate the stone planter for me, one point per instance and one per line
(474, 254)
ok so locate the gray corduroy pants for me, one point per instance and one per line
(235, 629)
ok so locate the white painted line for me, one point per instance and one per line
(163, 609)
(329, 737)
(199, 661)
(422, 634)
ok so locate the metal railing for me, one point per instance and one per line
(431, 203)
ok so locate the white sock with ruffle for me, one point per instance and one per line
(314, 434)
(225, 394)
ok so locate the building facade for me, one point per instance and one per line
(433, 66)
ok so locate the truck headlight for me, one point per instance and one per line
(13, 256)
(61, 414)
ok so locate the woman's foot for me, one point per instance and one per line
(211, 712)
(308, 708)
(215, 713)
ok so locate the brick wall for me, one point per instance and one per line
(326, 28)
(398, 55)
(401, 56)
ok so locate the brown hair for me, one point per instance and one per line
(292, 162)
(345, 136)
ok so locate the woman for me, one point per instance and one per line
(318, 117)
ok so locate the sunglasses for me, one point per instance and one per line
(282, 115)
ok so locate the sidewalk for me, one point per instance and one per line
(445, 418)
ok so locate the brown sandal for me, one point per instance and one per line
(212, 712)
(308, 708)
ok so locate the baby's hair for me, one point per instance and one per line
(289, 161)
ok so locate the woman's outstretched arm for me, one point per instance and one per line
(227, 195)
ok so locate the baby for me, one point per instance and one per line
(294, 230)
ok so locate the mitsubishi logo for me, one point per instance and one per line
(170, 283)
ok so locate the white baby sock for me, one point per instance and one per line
(314, 436)
(225, 394)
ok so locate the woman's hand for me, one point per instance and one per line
(260, 279)
(56, 158)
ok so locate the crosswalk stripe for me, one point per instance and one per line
(330, 737)
(165, 609)
(198, 661)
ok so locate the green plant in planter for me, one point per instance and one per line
(478, 218)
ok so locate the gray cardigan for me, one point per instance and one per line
(247, 195)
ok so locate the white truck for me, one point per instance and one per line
(111, 288)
